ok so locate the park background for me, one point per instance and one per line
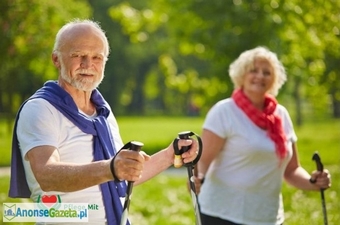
(169, 64)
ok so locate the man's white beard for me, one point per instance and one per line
(80, 84)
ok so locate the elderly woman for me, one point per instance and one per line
(250, 147)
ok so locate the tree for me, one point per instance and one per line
(311, 38)
(196, 41)
(169, 56)
(27, 34)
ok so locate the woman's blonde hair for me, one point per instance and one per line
(245, 62)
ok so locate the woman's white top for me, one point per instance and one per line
(243, 183)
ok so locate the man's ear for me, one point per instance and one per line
(56, 60)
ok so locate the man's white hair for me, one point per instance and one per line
(68, 26)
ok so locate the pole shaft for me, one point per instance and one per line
(319, 167)
(133, 146)
(194, 195)
(325, 220)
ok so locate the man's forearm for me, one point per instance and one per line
(67, 177)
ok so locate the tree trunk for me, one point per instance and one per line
(335, 105)
(298, 103)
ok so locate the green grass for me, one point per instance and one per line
(156, 132)
(165, 199)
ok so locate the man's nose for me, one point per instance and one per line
(85, 62)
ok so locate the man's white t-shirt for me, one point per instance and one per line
(39, 124)
(243, 183)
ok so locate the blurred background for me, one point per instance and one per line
(171, 57)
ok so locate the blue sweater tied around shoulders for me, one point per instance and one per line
(103, 145)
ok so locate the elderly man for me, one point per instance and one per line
(66, 137)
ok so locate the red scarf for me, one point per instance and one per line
(265, 119)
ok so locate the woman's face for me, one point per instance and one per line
(259, 79)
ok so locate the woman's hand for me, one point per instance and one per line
(321, 179)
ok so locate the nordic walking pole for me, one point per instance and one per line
(190, 168)
(319, 167)
(134, 146)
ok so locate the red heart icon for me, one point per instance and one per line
(49, 200)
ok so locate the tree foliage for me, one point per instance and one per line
(172, 56)
(28, 28)
(198, 40)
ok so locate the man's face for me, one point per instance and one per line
(82, 60)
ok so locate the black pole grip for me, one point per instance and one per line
(136, 146)
(318, 162)
(184, 135)
(178, 152)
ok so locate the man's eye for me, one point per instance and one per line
(98, 58)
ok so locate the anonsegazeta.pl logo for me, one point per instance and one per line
(49, 208)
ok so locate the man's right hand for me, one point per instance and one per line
(128, 165)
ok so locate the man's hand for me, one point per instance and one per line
(128, 165)
(187, 156)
